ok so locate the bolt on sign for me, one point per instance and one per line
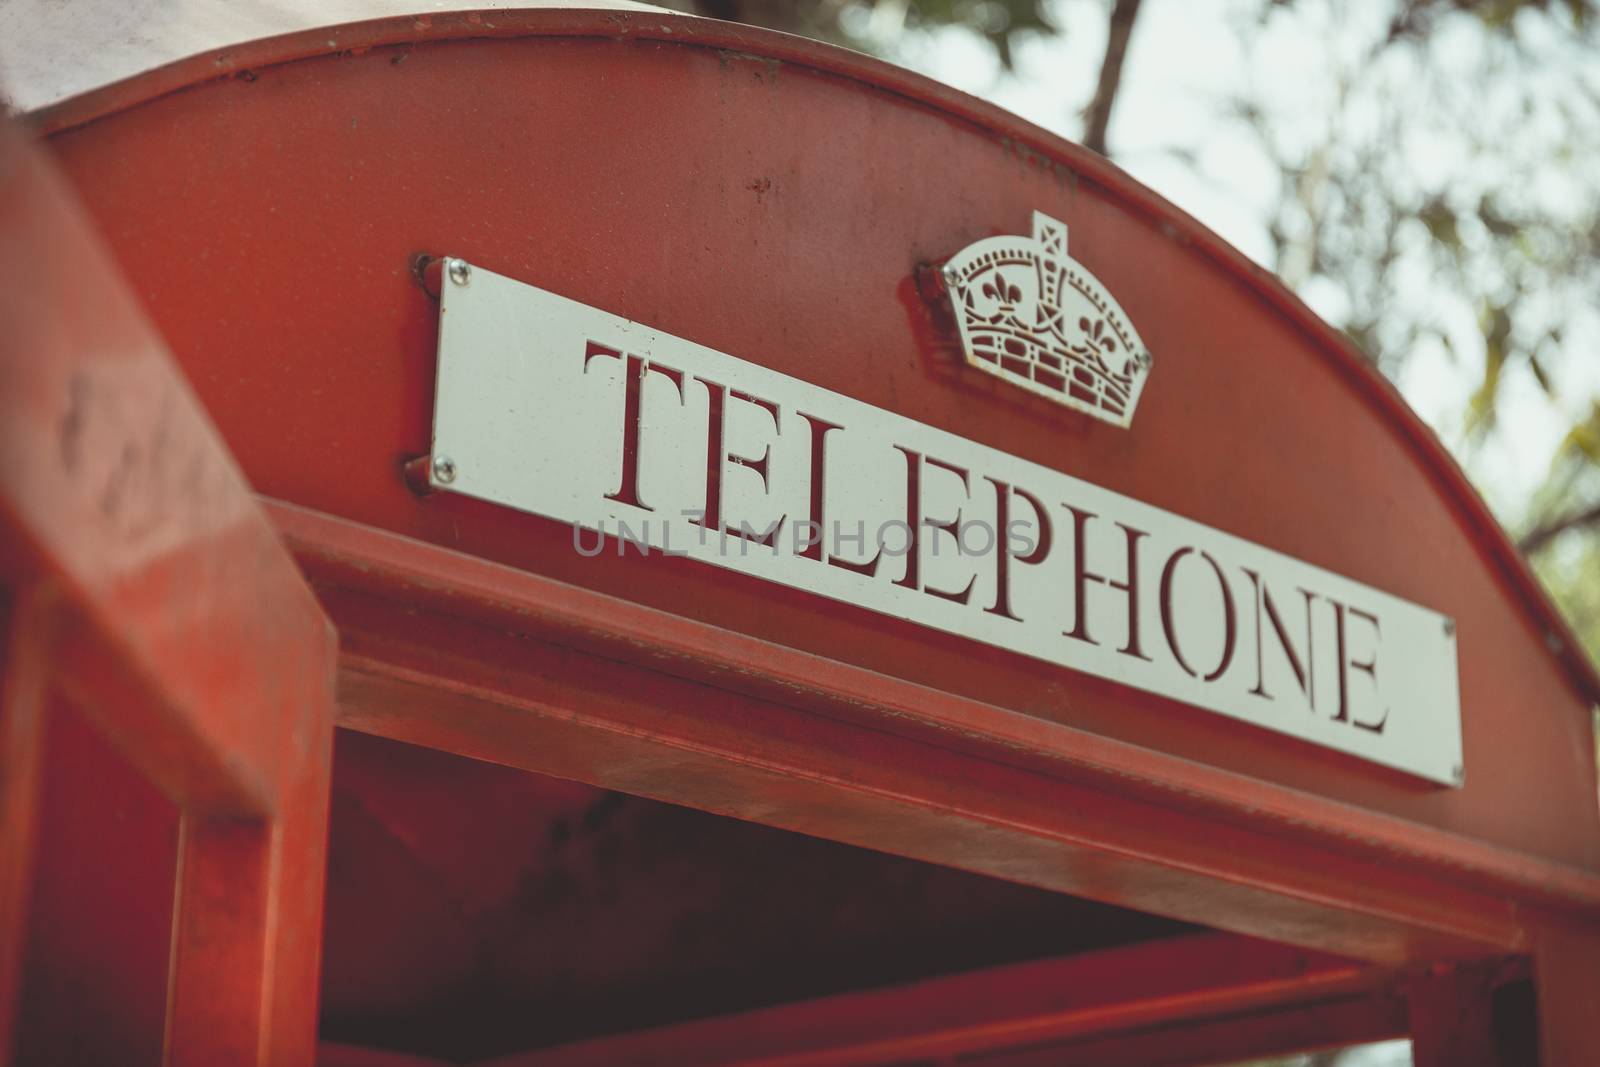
(642, 440)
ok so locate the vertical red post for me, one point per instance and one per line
(1566, 967)
(161, 603)
(248, 918)
(22, 696)
(247, 927)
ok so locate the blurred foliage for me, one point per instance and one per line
(867, 24)
(1569, 561)
(1451, 182)
(1573, 577)
(997, 21)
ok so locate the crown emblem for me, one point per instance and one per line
(1031, 315)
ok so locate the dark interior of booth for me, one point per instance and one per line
(475, 910)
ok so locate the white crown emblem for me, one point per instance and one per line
(1031, 315)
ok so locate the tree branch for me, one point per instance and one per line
(1545, 532)
(1098, 117)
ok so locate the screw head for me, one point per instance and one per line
(1449, 627)
(1458, 773)
(460, 271)
(444, 470)
(949, 275)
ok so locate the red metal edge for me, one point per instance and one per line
(339, 553)
(1166, 984)
(1022, 136)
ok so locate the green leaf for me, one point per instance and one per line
(1496, 337)
(1497, 14)
(1584, 438)
(1441, 222)
(1541, 376)
(1493, 221)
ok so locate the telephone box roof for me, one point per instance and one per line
(121, 68)
(772, 197)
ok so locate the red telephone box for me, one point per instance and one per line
(335, 731)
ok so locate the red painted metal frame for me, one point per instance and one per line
(1342, 866)
(311, 388)
(146, 586)
(472, 656)
(987, 1015)
(512, 668)
(1229, 1040)
(1201, 999)
(359, 37)
(23, 689)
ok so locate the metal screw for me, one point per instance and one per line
(444, 469)
(460, 271)
(1458, 774)
(1449, 627)
(949, 275)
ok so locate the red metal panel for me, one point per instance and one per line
(177, 623)
(720, 196)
